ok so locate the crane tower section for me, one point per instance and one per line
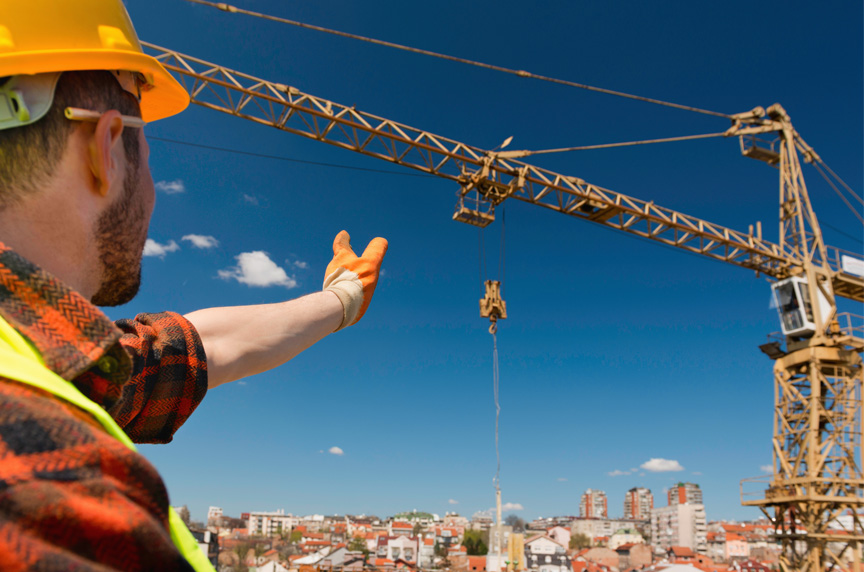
(817, 378)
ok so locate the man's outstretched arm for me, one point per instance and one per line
(244, 340)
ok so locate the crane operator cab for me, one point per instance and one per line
(792, 298)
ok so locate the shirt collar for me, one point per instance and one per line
(70, 333)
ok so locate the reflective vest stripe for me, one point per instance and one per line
(20, 361)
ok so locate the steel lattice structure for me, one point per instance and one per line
(818, 379)
(487, 178)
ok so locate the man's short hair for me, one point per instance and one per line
(30, 155)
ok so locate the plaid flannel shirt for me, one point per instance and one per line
(71, 496)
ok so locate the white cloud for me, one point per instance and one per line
(250, 199)
(452, 501)
(171, 187)
(562, 480)
(661, 465)
(618, 473)
(335, 451)
(697, 473)
(256, 269)
(153, 248)
(767, 468)
(241, 383)
(201, 241)
(512, 506)
(301, 265)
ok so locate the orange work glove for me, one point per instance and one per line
(353, 279)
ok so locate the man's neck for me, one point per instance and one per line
(51, 228)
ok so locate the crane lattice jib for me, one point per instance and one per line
(493, 177)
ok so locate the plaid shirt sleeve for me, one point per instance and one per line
(169, 376)
(72, 497)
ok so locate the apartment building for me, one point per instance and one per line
(270, 523)
(638, 503)
(685, 493)
(680, 525)
(593, 504)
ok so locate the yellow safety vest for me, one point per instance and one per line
(20, 361)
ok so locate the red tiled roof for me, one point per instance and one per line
(627, 546)
(682, 551)
(403, 525)
(477, 563)
(458, 549)
(429, 541)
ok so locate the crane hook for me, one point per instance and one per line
(492, 306)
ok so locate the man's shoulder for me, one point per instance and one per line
(43, 438)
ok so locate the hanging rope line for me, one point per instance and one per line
(842, 182)
(520, 154)
(502, 266)
(497, 478)
(839, 193)
(521, 73)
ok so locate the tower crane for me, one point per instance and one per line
(818, 370)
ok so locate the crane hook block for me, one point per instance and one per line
(493, 306)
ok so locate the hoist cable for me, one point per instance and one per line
(839, 193)
(842, 182)
(520, 154)
(521, 73)
(503, 262)
(484, 275)
(497, 479)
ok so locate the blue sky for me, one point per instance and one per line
(616, 350)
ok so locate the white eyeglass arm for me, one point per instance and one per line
(78, 114)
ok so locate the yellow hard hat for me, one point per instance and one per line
(42, 36)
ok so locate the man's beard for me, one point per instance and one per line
(120, 234)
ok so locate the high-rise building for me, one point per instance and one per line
(685, 493)
(638, 503)
(593, 504)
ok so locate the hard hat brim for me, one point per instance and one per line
(163, 97)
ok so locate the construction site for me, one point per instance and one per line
(658, 208)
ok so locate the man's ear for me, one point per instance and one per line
(105, 150)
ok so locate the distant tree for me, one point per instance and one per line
(183, 513)
(440, 549)
(418, 528)
(475, 543)
(260, 548)
(358, 544)
(296, 536)
(414, 515)
(240, 550)
(580, 541)
(517, 523)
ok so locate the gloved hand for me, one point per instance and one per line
(352, 278)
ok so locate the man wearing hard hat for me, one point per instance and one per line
(76, 390)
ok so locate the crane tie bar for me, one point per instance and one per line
(521, 73)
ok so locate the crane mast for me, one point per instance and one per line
(817, 381)
(818, 370)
